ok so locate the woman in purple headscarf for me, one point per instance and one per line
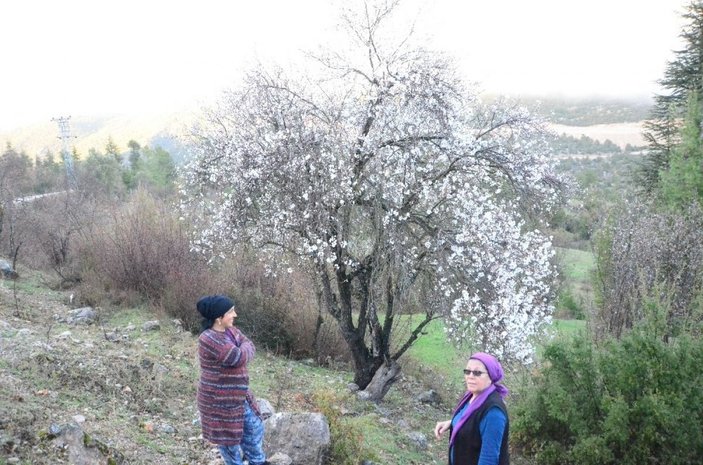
(478, 430)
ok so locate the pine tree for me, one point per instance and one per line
(112, 150)
(682, 77)
(681, 183)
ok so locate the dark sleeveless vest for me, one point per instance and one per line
(467, 442)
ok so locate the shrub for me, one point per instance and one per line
(632, 401)
(347, 440)
(141, 253)
(281, 311)
(568, 306)
(646, 255)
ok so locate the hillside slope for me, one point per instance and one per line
(94, 132)
(134, 389)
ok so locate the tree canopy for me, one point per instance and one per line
(385, 174)
(683, 78)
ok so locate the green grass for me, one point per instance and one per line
(132, 316)
(433, 349)
(569, 327)
(576, 264)
(576, 291)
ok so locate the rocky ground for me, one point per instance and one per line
(129, 386)
(127, 379)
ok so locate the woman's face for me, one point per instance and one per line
(476, 384)
(228, 318)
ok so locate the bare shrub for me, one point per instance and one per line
(141, 251)
(645, 256)
(185, 285)
(62, 223)
(281, 310)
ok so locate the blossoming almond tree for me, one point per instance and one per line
(384, 172)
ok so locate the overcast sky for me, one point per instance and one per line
(88, 57)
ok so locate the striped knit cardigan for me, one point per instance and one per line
(224, 384)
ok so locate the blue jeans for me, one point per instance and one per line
(252, 441)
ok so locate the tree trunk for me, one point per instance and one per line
(381, 382)
(365, 366)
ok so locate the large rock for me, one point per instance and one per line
(429, 397)
(304, 437)
(6, 270)
(82, 448)
(82, 316)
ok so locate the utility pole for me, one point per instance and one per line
(65, 136)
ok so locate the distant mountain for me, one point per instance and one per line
(165, 130)
(619, 121)
(589, 111)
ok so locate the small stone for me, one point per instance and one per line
(153, 325)
(353, 387)
(166, 428)
(418, 439)
(79, 419)
(55, 430)
(279, 458)
(429, 397)
(265, 408)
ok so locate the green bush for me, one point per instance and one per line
(568, 306)
(347, 439)
(631, 401)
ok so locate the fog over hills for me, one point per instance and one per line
(620, 121)
(165, 130)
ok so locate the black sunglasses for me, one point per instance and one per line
(476, 373)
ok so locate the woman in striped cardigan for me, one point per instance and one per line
(229, 415)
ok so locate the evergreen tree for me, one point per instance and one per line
(156, 170)
(112, 150)
(47, 174)
(681, 183)
(682, 77)
(129, 175)
(101, 173)
(134, 153)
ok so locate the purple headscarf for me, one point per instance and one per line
(495, 372)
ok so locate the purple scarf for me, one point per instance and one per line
(495, 372)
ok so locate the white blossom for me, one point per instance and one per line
(397, 167)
